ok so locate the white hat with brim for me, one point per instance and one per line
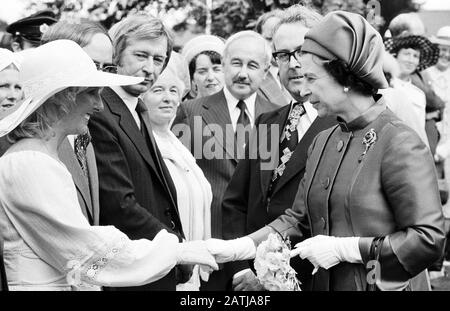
(50, 69)
(442, 36)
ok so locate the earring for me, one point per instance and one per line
(346, 89)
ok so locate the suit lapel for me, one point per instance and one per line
(216, 113)
(93, 183)
(68, 157)
(164, 173)
(280, 119)
(129, 126)
(272, 91)
(297, 163)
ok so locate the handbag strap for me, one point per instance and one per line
(374, 254)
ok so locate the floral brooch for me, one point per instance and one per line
(369, 139)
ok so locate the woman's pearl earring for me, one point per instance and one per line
(346, 89)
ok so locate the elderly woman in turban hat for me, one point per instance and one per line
(368, 206)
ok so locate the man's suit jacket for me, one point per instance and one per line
(271, 91)
(4, 145)
(137, 194)
(87, 191)
(3, 280)
(212, 111)
(247, 205)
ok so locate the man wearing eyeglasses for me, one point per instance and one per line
(271, 87)
(258, 194)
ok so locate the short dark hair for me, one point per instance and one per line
(215, 58)
(340, 71)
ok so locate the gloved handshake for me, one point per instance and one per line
(213, 251)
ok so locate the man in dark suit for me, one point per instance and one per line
(271, 88)
(137, 194)
(228, 115)
(261, 187)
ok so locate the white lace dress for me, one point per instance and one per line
(48, 243)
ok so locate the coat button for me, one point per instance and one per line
(326, 183)
(340, 145)
(167, 212)
(172, 225)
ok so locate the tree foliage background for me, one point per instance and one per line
(227, 16)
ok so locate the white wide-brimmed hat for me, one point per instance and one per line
(442, 36)
(7, 58)
(51, 68)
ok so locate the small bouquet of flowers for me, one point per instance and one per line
(272, 265)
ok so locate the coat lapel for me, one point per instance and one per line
(271, 90)
(263, 106)
(297, 163)
(129, 126)
(68, 157)
(93, 183)
(279, 118)
(162, 172)
(216, 113)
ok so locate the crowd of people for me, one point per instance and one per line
(125, 165)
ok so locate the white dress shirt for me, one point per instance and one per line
(130, 101)
(71, 139)
(234, 110)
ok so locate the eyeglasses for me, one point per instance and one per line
(285, 56)
(105, 67)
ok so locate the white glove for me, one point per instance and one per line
(232, 250)
(195, 252)
(327, 251)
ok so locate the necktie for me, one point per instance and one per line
(146, 131)
(243, 117)
(289, 142)
(140, 109)
(81, 142)
(242, 122)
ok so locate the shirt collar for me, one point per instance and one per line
(309, 110)
(233, 101)
(129, 100)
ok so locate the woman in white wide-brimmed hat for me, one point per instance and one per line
(49, 244)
